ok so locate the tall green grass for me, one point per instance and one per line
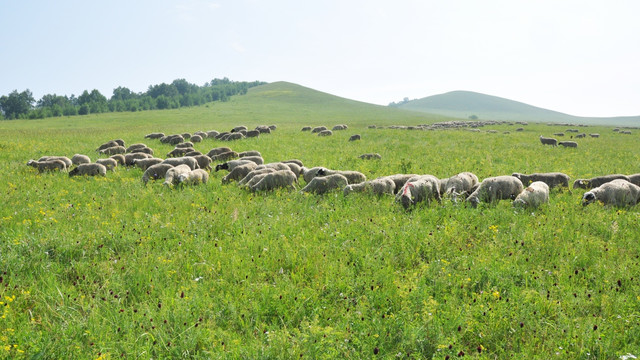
(106, 267)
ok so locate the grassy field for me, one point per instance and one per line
(108, 268)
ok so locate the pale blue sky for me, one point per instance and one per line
(579, 57)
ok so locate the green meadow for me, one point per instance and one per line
(106, 268)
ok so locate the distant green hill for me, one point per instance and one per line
(463, 104)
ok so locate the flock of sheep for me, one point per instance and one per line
(186, 166)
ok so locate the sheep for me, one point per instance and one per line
(552, 179)
(256, 159)
(418, 189)
(91, 169)
(238, 128)
(520, 129)
(212, 133)
(558, 134)
(114, 150)
(306, 128)
(339, 127)
(193, 153)
(178, 152)
(252, 133)
(234, 136)
(293, 161)
(496, 188)
(204, 162)
(580, 136)
(146, 150)
(371, 127)
(155, 172)
(232, 164)
(109, 163)
(217, 151)
(186, 135)
(324, 184)
(239, 172)
(370, 156)
(380, 186)
(186, 144)
(154, 136)
(276, 180)
(47, 165)
(193, 177)
(634, 179)
(67, 162)
(221, 135)
(548, 141)
(309, 173)
(533, 195)
(572, 144)
(129, 158)
(325, 133)
(254, 173)
(172, 139)
(597, 181)
(295, 168)
(263, 129)
(196, 138)
(172, 174)
(224, 156)
(354, 177)
(354, 137)
(202, 134)
(463, 184)
(317, 129)
(272, 127)
(145, 163)
(398, 179)
(108, 144)
(78, 159)
(619, 193)
(595, 135)
(119, 158)
(192, 163)
(134, 147)
(249, 153)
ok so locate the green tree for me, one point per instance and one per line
(17, 104)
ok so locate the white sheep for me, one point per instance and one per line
(226, 156)
(463, 184)
(145, 163)
(325, 133)
(217, 151)
(548, 141)
(47, 165)
(114, 150)
(533, 195)
(232, 164)
(619, 192)
(496, 188)
(294, 161)
(354, 177)
(119, 158)
(250, 153)
(172, 174)
(92, 169)
(130, 158)
(276, 166)
(194, 177)
(109, 163)
(380, 186)
(399, 180)
(183, 145)
(370, 156)
(189, 161)
(155, 172)
(324, 184)
(251, 175)
(78, 159)
(67, 162)
(276, 180)
(418, 189)
(354, 137)
(597, 181)
(204, 162)
(552, 179)
(239, 172)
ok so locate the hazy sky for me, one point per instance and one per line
(579, 57)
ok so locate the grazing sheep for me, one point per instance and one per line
(146, 150)
(47, 165)
(463, 184)
(92, 169)
(272, 127)
(178, 152)
(580, 136)
(370, 156)
(309, 173)
(293, 161)
(354, 177)
(232, 164)
(627, 132)
(250, 153)
(324, 184)
(380, 186)
(204, 162)
(398, 179)
(193, 177)
(533, 195)
(108, 144)
(129, 158)
(276, 180)
(238, 128)
(171, 176)
(558, 134)
(119, 158)
(186, 135)
(354, 137)
(224, 156)
(144, 164)
(192, 163)
(202, 134)
(252, 133)
(572, 144)
(496, 188)
(339, 127)
(154, 136)
(325, 133)
(617, 192)
(183, 145)
(172, 139)
(295, 168)
(196, 138)
(239, 172)
(317, 129)
(548, 141)
(114, 150)
(135, 147)
(634, 179)
(221, 135)
(109, 163)
(256, 159)
(520, 129)
(218, 151)
(597, 181)
(234, 136)
(595, 135)
(193, 153)
(155, 172)
(306, 128)
(67, 162)
(212, 133)
(552, 179)
(254, 173)
(276, 166)
(418, 189)
(371, 127)
(78, 159)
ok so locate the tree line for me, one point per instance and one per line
(179, 93)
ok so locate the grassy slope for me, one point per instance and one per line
(114, 268)
(462, 104)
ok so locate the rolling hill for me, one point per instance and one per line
(463, 104)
